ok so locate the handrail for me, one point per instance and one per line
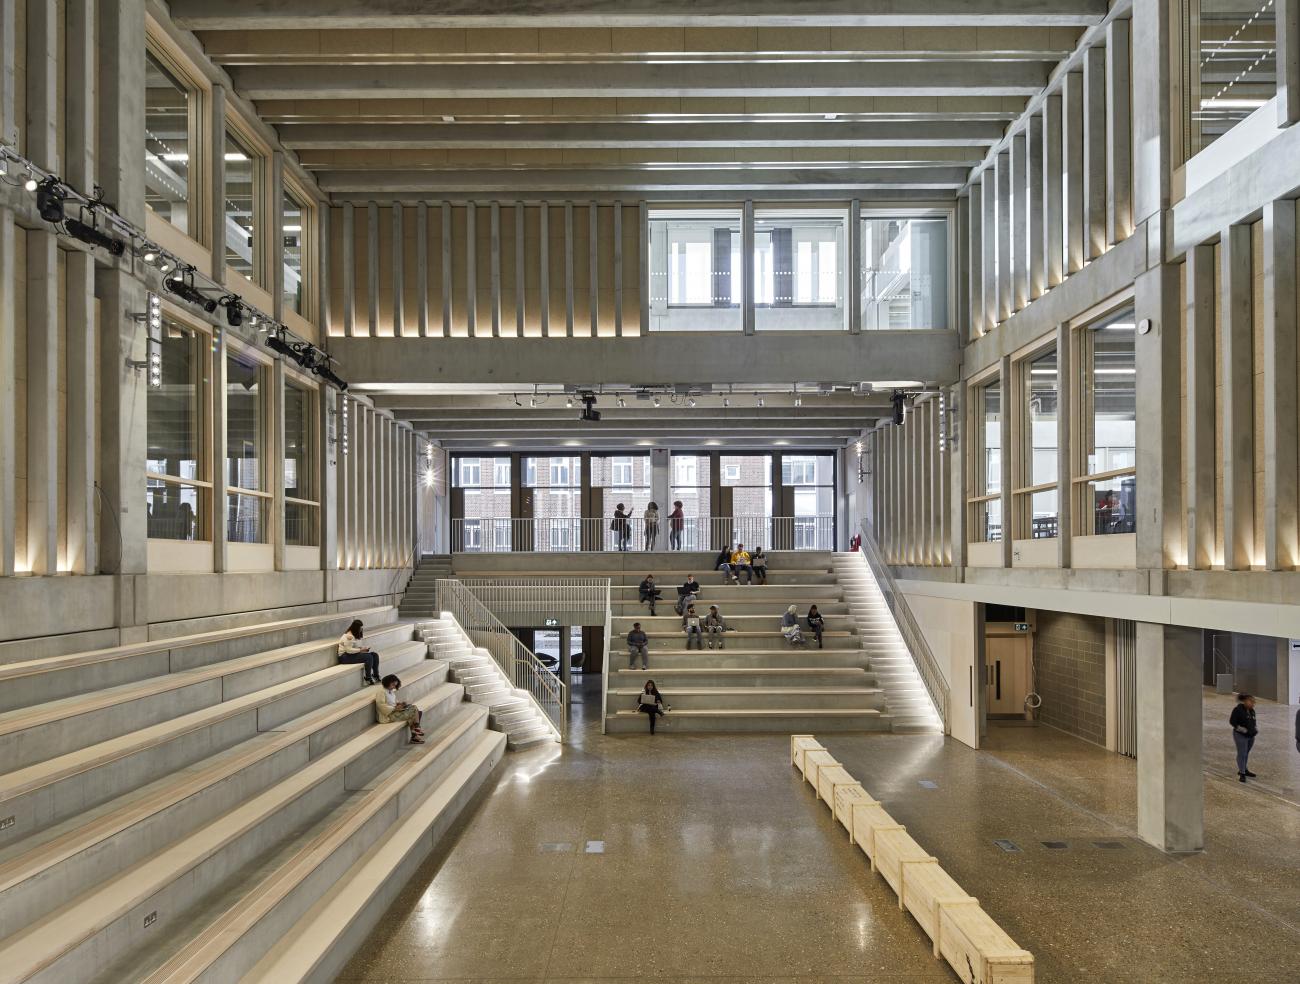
(541, 595)
(609, 656)
(411, 560)
(555, 534)
(926, 665)
(520, 665)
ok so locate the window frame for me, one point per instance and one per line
(1023, 487)
(293, 189)
(199, 184)
(237, 129)
(236, 349)
(311, 416)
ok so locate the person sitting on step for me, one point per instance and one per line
(740, 562)
(759, 563)
(722, 562)
(790, 627)
(714, 626)
(390, 709)
(651, 702)
(692, 627)
(351, 650)
(636, 645)
(816, 624)
(649, 591)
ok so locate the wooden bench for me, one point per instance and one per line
(800, 744)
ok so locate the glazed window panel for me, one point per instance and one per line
(904, 273)
(168, 139)
(243, 250)
(696, 272)
(177, 463)
(1229, 62)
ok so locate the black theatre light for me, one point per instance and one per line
(181, 283)
(326, 373)
(89, 234)
(49, 199)
(277, 343)
(589, 411)
(234, 310)
(897, 400)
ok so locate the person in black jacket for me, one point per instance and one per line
(1297, 731)
(649, 592)
(1244, 731)
(651, 703)
(816, 624)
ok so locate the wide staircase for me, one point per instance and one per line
(420, 599)
(220, 805)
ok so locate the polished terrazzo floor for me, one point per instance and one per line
(703, 858)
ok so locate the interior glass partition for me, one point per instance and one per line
(301, 499)
(904, 273)
(247, 499)
(1229, 52)
(243, 252)
(553, 518)
(1108, 417)
(485, 491)
(294, 217)
(1037, 497)
(799, 269)
(986, 487)
(695, 270)
(691, 480)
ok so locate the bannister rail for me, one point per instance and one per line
(603, 533)
(609, 657)
(524, 670)
(927, 666)
(542, 595)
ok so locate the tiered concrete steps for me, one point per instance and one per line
(178, 823)
(420, 598)
(910, 708)
(511, 711)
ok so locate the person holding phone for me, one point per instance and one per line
(352, 650)
(389, 709)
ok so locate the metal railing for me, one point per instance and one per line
(542, 595)
(609, 656)
(927, 667)
(600, 533)
(521, 667)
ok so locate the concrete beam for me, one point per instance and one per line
(652, 359)
(882, 77)
(244, 15)
(758, 133)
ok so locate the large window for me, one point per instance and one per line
(904, 273)
(811, 481)
(554, 486)
(1229, 64)
(626, 479)
(295, 216)
(1107, 482)
(242, 194)
(691, 478)
(177, 479)
(301, 499)
(747, 481)
(986, 485)
(799, 269)
(247, 499)
(168, 124)
(1037, 494)
(695, 270)
(485, 522)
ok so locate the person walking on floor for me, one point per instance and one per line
(649, 591)
(714, 626)
(759, 563)
(651, 519)
(389, 709)
(790, 627)
(691, 626)
(352, 650)
(621, 527)
(816, 624)
(1244, 730)
(636, 646)
(676, 523)
(651, 702)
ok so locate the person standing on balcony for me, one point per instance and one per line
(621, 527)
(676, 523)
(715, 625)
(649, 591)
(759, 564)
(692, 627)
(636, 645)
(351, 650)
(816, 625)
(651, 517)
(1244, 730)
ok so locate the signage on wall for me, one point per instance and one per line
(1022, 626)
(551, 623)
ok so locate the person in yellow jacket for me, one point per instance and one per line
(740, 561)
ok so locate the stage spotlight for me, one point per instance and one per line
(897, 400)
(181, 283)
(49, 199)
(89, 234)
(234, 310)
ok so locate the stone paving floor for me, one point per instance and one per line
(704, 859)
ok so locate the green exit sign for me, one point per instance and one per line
(1022, 626)
(551, 623)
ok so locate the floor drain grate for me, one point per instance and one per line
(1011, 847)
(595, 847)
(927, 784)
(558, 847)
(1056, 845)
(1109, 845)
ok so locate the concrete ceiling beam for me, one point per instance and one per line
(244, 15)
(471, 136)
(988, 77)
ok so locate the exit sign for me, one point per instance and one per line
(551, 623)
(1022, 626)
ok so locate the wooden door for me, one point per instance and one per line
(1007, 669)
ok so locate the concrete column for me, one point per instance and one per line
(494, 227)
(1236, 334)
(43, 402)
(618, 269)
(8, 75)
(399, 267)
(855, 266)
(643, 264)
(324, 281)
(566, 664)
(1161, 533)
(422, 268)
(1170, 780)
(8, 376)
(1052, 235)
(925, 490)
(216, 164)
(1281, 549)
(446, 265)
(544, 279)
(1002, 172)
(275, 254)
(1019, 221)
(216, 355)
(471, 270)
(1288, 62)
(383, 481)
(521, 277)
(1094, 151)
(989, 246)
(1005, 458)
(349, 271)
(1030, 229)
(593, 266)
(328, 485)
(1119, 133)
(41, 142)
(275, 469)
(747, 277)
(1064, 444)
(975, 263)
(1074, 220)
(661, 487)
(1152, 94)
(568, 269)
(1199, 404)
(372, 269)
(347, 481)
(956, 463)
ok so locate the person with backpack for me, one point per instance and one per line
(1244, 730)
(790, 627)
(676, 523)
(621, 527)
